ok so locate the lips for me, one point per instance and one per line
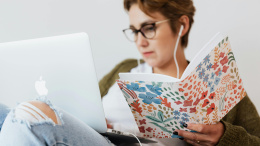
(146, 54)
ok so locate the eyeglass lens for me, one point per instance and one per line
(148, 31)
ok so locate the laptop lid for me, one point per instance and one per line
(65, 63)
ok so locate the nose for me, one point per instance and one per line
(141, 41)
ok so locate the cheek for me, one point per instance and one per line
(166, 42)
(165, 49)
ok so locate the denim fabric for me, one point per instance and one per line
(4, 110)
(71, 132)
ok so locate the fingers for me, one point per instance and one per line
(201, 128)
(109, 125)
(205, 129)
(205, 135)
(193, 136)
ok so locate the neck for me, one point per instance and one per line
(170, 67)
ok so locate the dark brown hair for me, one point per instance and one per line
(171, 9)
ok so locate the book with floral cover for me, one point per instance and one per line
(208, 89)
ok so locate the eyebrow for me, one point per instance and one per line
(144, 23)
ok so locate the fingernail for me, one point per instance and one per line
(175, 133)
(181, 138)
(185, 125)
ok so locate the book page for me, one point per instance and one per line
(147, 77)
(206, 49)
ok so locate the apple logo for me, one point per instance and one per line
(40, 87)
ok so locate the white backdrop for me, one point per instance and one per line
(103, 20)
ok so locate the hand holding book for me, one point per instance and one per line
(205, 135)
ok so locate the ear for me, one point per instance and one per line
(185, 21)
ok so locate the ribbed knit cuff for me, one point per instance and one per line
(231, 135)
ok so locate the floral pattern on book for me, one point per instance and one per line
(205, 96)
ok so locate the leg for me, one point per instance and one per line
(38, 123)
(3, 113)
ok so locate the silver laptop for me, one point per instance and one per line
(66, 65)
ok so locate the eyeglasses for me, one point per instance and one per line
(148, 31)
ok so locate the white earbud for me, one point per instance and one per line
(181, 29)
(175, 50)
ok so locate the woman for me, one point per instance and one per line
(164, 18)
(157, 51)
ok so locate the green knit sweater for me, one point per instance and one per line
(241, 123)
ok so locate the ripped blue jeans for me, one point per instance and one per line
(27, 125)
(4, 110)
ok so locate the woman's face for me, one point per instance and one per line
(158, 51)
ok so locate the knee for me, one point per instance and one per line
(3, 113)
(36, 111)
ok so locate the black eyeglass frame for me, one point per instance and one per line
(140, 30)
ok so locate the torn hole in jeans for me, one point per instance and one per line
(30, 113)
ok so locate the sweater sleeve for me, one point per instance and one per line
(109, 79)
(243, 128)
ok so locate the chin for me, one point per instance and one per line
(151, 62)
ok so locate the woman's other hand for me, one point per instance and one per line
(109, 125)
(206, 134)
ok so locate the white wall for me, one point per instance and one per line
(103, 20)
